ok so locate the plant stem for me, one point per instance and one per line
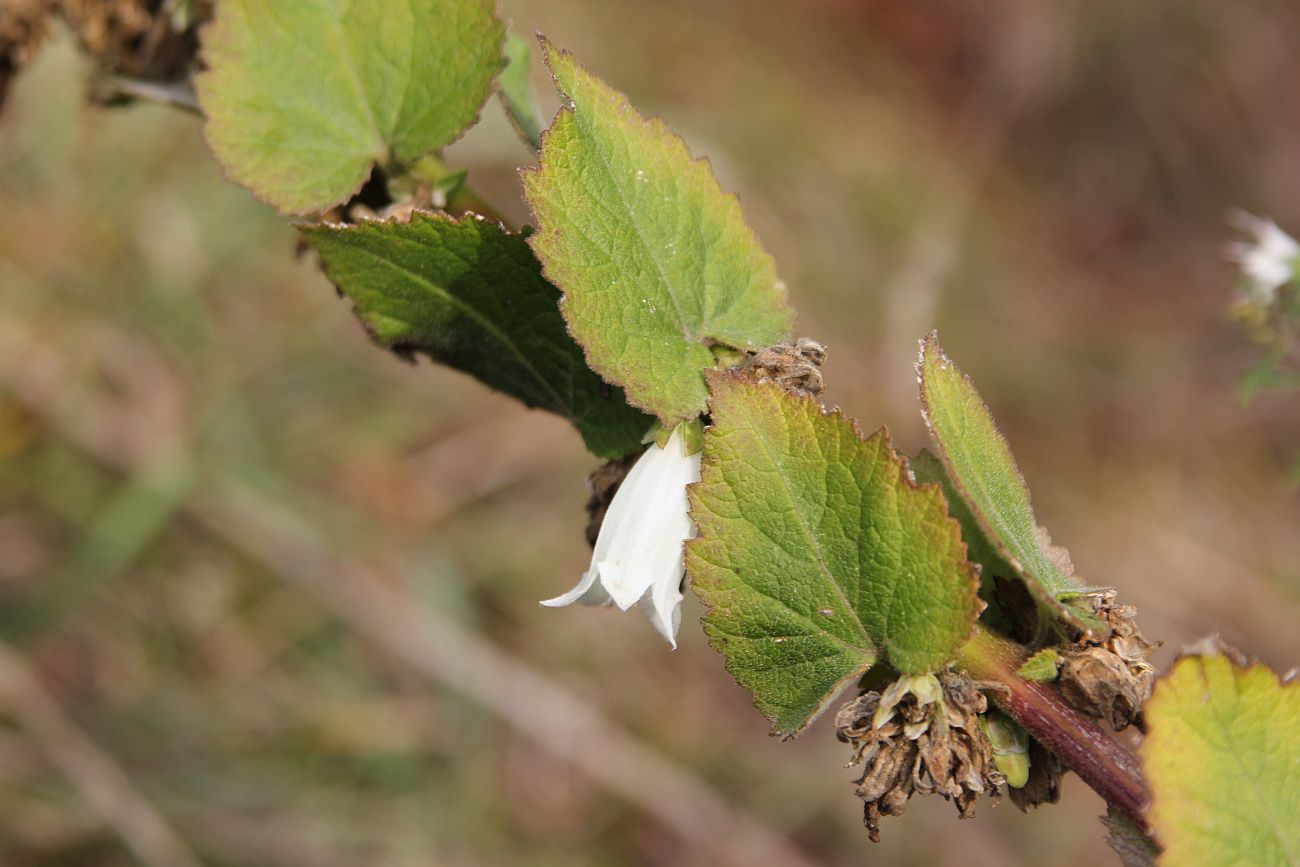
(1104, 764)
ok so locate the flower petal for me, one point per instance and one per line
(638, 552)
(663, 605)
(640, 542)
(587, 591)
(1268, 259)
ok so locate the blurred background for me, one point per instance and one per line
(268, 596)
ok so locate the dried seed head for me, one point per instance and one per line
(793, 366)
(1110, 679)
(1097, 682)
(921, 735)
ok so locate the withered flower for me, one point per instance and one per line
(795, 366)
(921, 735)
(1110, 679)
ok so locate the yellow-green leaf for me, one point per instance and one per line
(1222, 756)
(304, 97)
(656, 263)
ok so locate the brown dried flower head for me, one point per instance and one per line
(794, 366)
(1110, 679)
(921, 735)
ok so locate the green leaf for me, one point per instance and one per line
(517, 94)
(1042, 667)
(303, 98)
(979, 550)
(1222, 756)
(984, 475)
(817, 553)
(470, 295)
(655, 261)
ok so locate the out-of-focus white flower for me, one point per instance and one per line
(1268, 257)
(638, 556)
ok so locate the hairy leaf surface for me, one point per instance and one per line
(979, 550)
(1223, 759)
(303, 98)
(471, 295)
(817, 554)
(982, 471)
(655, 261)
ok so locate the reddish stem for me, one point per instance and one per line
(1104, 764)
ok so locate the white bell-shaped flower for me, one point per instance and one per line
(638, 556)
(1268, 257)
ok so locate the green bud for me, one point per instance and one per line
(1010, 747)
(726, 357)
(1042, 667)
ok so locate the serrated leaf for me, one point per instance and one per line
(303, 98)
(1222, 756)
(1006, 611)
(979, 550)
(470, 295)
(517, 94)
(817, 553)
(984, 474)
(655, 261)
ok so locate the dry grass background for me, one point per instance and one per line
(269, 595)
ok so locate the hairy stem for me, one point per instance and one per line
(1104, 764)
